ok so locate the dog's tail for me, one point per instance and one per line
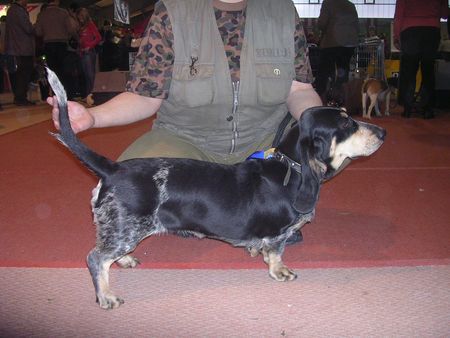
(100, 165)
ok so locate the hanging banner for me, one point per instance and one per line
(121, 11)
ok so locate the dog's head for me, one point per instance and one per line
(324, 142)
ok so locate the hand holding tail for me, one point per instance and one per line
(80, 118)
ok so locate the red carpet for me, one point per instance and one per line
(390, 209)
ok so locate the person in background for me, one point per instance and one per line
(417, 36)
(89, 38)
(109, 51)
(339, 26)
(56, 27)
(20, 47)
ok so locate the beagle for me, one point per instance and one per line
(377, 91)
(258, 205)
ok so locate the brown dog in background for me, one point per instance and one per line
(377, 91)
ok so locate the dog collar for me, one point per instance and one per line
(291, 164)
(279, 156)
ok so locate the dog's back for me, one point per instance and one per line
(373, 86)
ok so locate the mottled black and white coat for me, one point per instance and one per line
(257, 204)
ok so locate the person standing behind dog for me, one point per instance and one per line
(89, 39)
(56, 27)
(20, 47)
(417, 35)
(339, 26)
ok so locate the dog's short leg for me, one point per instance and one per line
(388, 103)
(277, 270)
(377, 108)
(373, 102)
(99, 265)
(364, 103)
(128, 261)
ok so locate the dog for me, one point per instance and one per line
(256, 204)
(377, 91)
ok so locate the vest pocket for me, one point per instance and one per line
(192, 86)
(273, 83)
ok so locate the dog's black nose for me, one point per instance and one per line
(381, 133)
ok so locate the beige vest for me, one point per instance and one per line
(204, 106)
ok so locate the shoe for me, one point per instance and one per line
(23, 103)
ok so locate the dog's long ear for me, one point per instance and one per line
(312, 173)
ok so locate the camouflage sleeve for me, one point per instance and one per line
(303, 71)
(152, 69)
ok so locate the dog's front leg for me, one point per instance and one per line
(272, 253)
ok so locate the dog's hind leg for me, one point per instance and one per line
(272, 253)
(377, 108)
(373, 102)
(115, 240)
(364, 103)
(99, 265)
(99, 262)
(388, 103)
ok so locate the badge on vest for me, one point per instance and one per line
(193, 68)
(273, 52)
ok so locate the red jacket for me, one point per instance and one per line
(418, 13)
(89, 36)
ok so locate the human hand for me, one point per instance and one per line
(80, 118)
(397, 44)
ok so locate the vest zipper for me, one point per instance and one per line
(234, 115)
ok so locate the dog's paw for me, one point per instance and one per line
(128, 262)
(109, 302)
(386, 113)
(282, 274)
